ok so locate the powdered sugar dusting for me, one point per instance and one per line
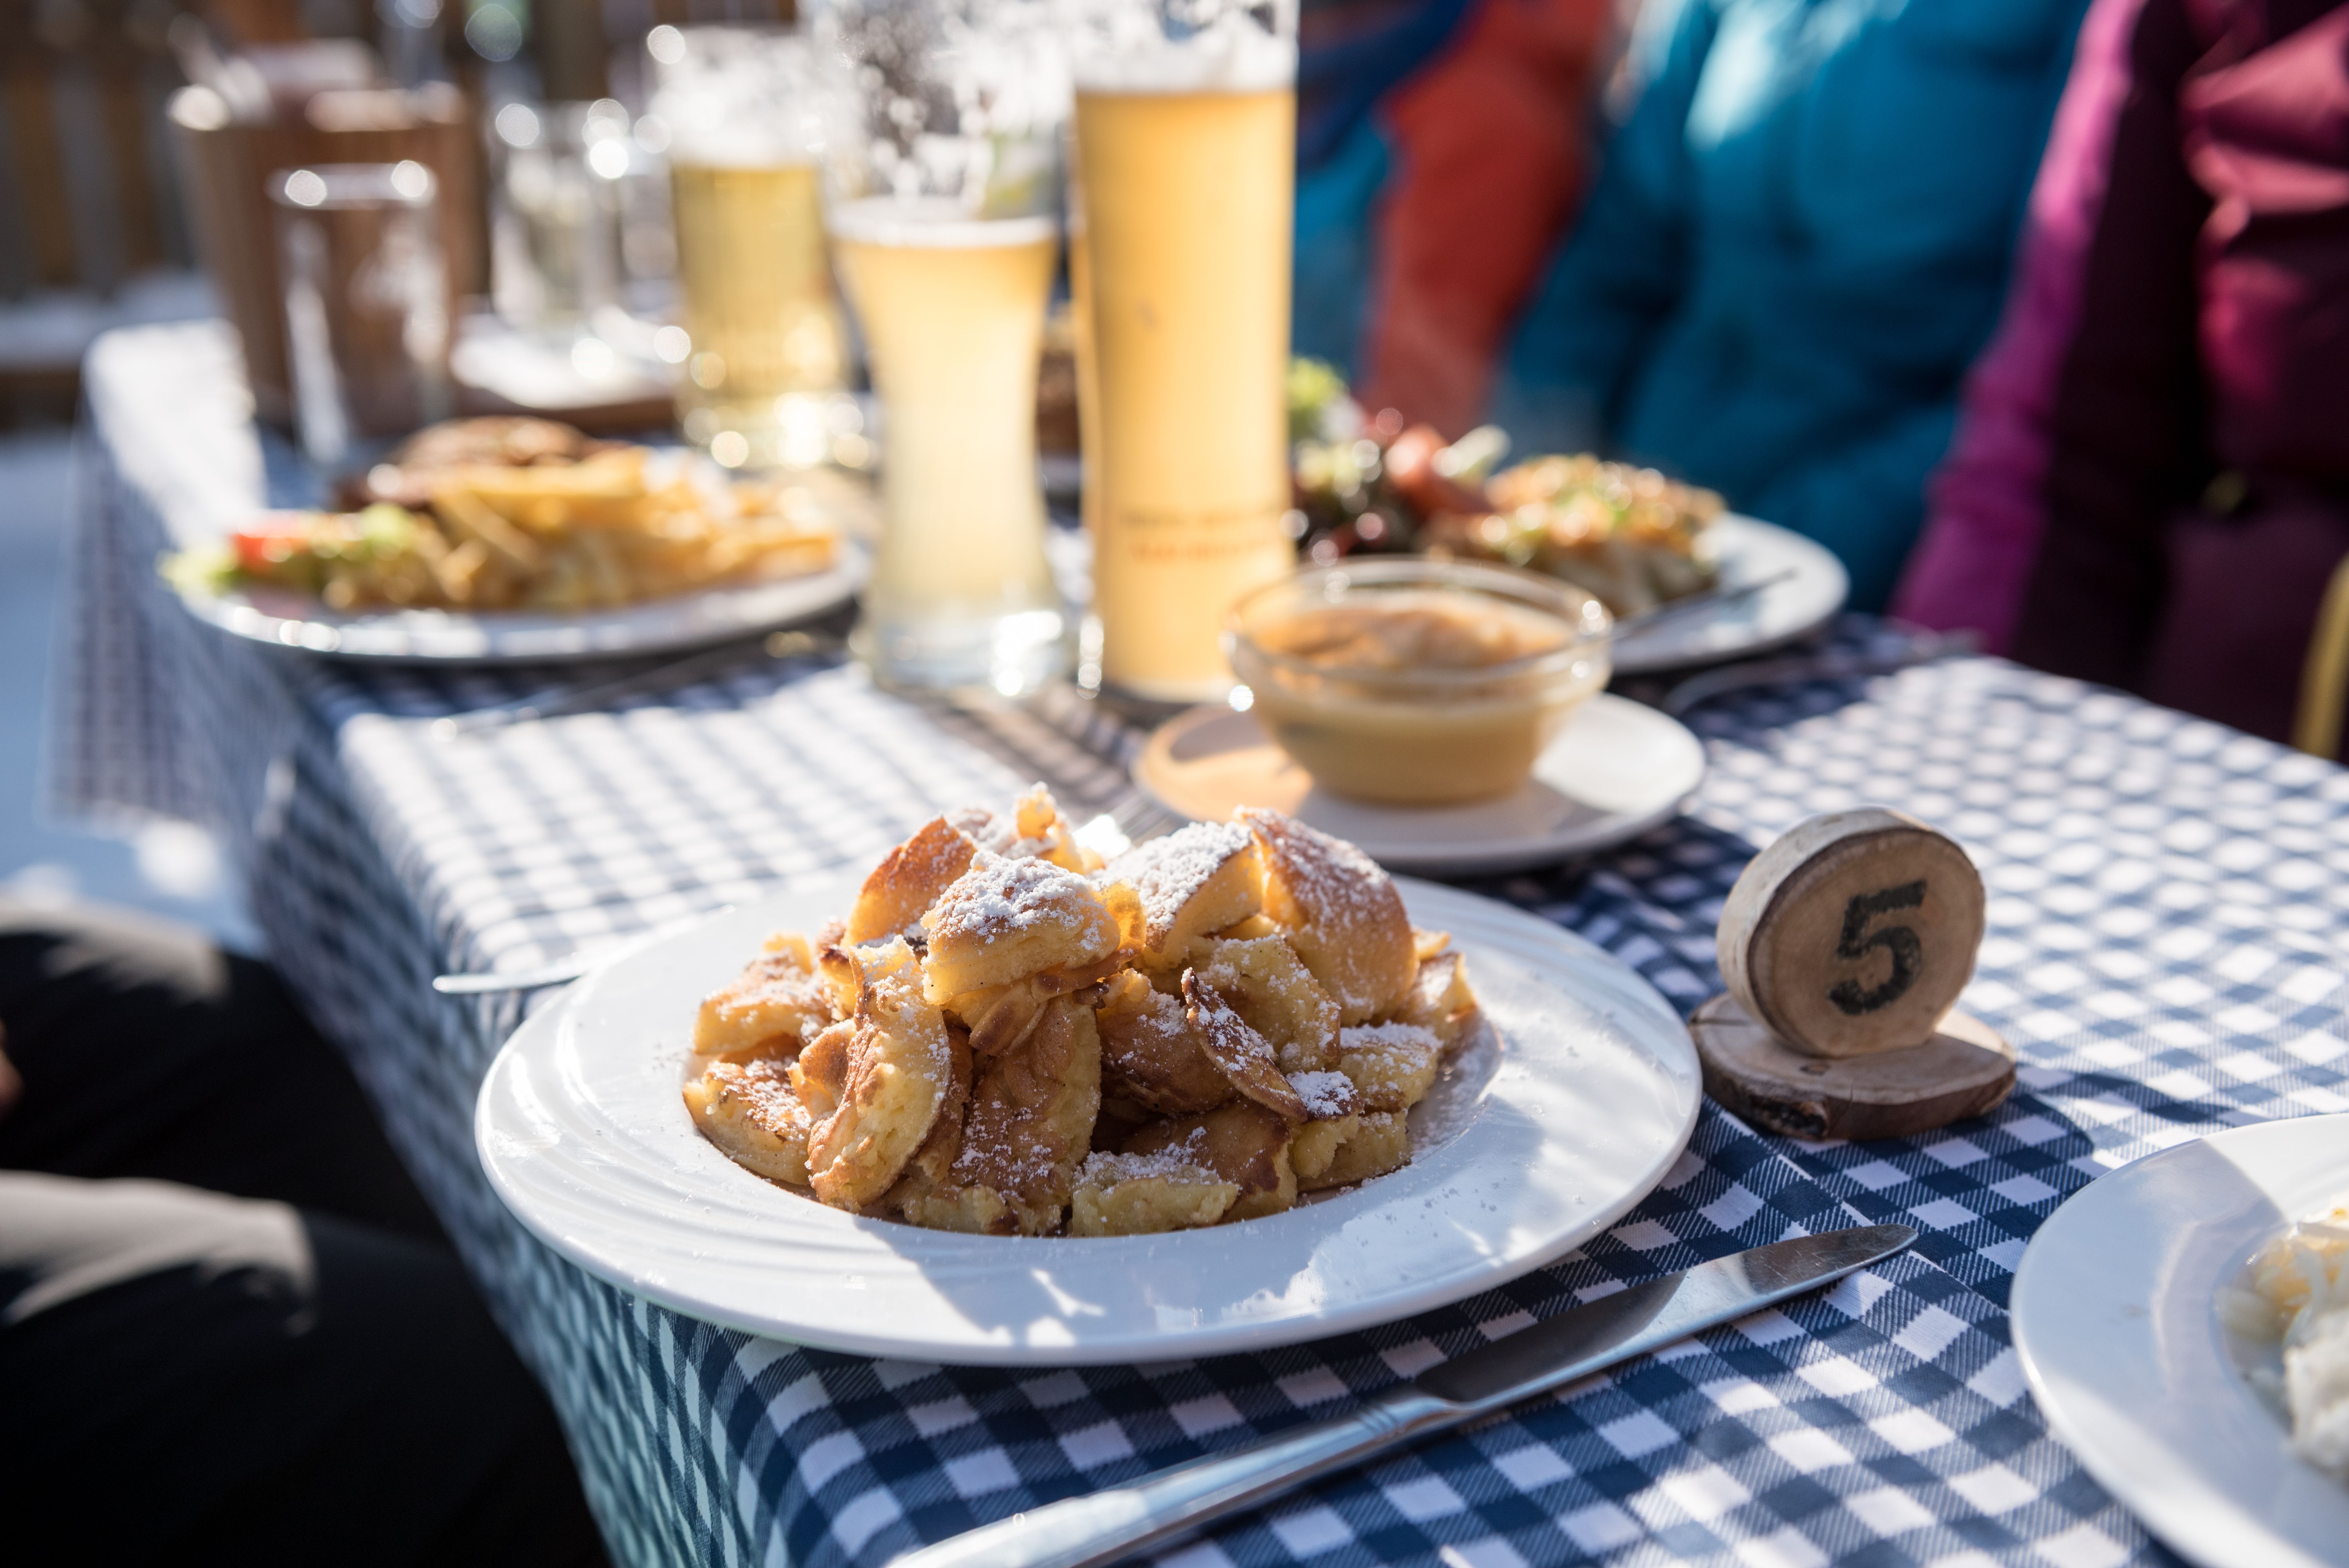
(1000, 896)
(1388, 1036)
(1327, 1095)
(1335, 883)
(1168, 873)
(1183, 1162)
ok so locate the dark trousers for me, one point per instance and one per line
(230, 1328)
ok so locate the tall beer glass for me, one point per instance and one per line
(1180, 211)
(768, 358)
(942, 199)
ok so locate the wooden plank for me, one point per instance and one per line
(29, 87)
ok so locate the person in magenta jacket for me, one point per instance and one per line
(2151, 487)
(1798, 240)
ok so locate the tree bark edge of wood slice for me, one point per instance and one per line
(1966, 1069)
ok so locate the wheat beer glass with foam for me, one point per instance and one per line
(942, 198)
(1179, 213)
(767, 363)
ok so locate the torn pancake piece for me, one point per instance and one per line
(909, 878)
(1269, 986)
(1197, 880)
(1151, 1056)
(1242, 1142)
(1381, 1143)
(1144, 1195)
(1392, 1065)
(1004, 920)
(1244, 1056)
(774, 1004)
(1340, 912)
(750, 1111)
(898, 1065)
(1029, 1127)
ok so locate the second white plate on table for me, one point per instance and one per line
(2116, 1325)
(453, 636)
(1567, 1112)
(1814, 587)
(1619, 768)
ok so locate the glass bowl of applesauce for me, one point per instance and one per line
(1411, 682)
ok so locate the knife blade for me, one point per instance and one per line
(1086, 1532)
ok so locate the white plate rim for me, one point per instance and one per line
(1606, 989)
(672, 624)
(1437, 857)
(2155, 1312)
(1783, 612)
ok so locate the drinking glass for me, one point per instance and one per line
(942, 193)
(1179, 218)
(557, 243)
(366, 304)
(766, 359)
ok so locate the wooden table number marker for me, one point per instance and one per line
(1844, 947)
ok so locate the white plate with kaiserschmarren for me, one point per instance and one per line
(1002, 1101)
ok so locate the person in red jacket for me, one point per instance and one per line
(1442, 149)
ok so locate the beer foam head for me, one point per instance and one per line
(742, 97)
(1213, 46)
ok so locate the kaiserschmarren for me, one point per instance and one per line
(1005, 1034)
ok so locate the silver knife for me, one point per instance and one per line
(1083, 1531)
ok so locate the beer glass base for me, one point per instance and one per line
(1011, 655)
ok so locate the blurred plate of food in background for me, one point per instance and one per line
(1639, 541)
(517, 539)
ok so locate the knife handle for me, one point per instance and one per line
(1081, 1531)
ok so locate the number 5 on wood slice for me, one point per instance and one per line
(1844, 947)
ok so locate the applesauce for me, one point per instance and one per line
(1417, 683)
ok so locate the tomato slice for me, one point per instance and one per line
(267, 540)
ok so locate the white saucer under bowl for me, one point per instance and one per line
(1619, 768)
(2118, 1328)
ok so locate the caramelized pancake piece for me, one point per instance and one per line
(1342, 913)
(821, 1070)
(907, 882)
(1194, 881)
(1332, 1107)
(925, 1173)
(1381, 1143)
(1043, 832)
(749, 1112)
(1005, 920)
(1029, 1127)
(776, 1003)
(899, 1064)
(1242, 1142)
(1000, 1016)
(1270, 987)
(1144, 1194)
(1426, 945)
(1034, 830)
(1392, 1065)
(1440, 1001)
(1244, 1056)
(1151, 1057)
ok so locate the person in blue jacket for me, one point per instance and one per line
(1798, 240)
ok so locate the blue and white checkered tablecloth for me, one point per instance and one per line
(2170, 907)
